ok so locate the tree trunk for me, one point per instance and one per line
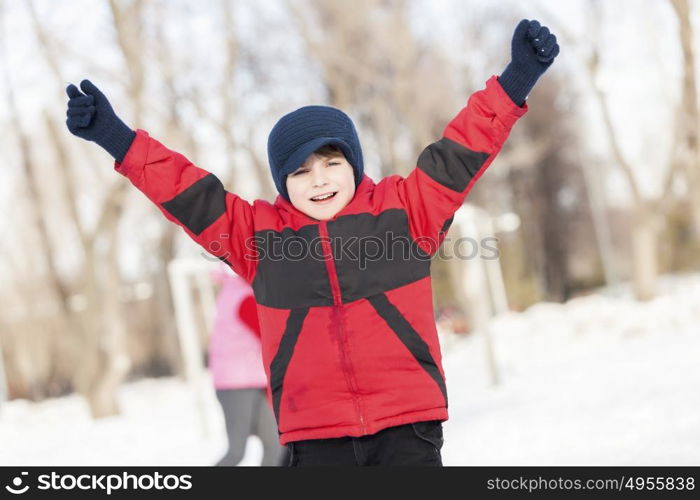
(644, 252)
(689, 146)
(169, 344)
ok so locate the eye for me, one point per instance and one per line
(335, 162)
(294, 174)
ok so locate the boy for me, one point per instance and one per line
(350, 348)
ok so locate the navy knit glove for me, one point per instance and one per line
(91, 117)
(532, 51)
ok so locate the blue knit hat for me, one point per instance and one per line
(298, 134)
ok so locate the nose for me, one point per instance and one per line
(318, 177)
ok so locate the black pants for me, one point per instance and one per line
(412, 444)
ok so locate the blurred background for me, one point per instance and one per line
(585, 350)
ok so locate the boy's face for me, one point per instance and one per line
(321, 175)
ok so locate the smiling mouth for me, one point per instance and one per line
(324, 197)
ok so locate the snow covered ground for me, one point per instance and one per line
(600, 380)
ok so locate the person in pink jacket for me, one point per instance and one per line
(235, 361)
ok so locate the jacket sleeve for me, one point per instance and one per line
(194, 199)
(448, 168)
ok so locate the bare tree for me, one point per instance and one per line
(647, 212)
(57, 291)
(688, 150)
(386, 77)
(102, 361)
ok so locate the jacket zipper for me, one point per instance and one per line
(338, 322)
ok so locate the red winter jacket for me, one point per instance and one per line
(349, 339)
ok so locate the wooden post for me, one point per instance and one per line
(180, 271)
(475, 289)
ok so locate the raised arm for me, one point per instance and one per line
(447, 169)
(220, 221)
